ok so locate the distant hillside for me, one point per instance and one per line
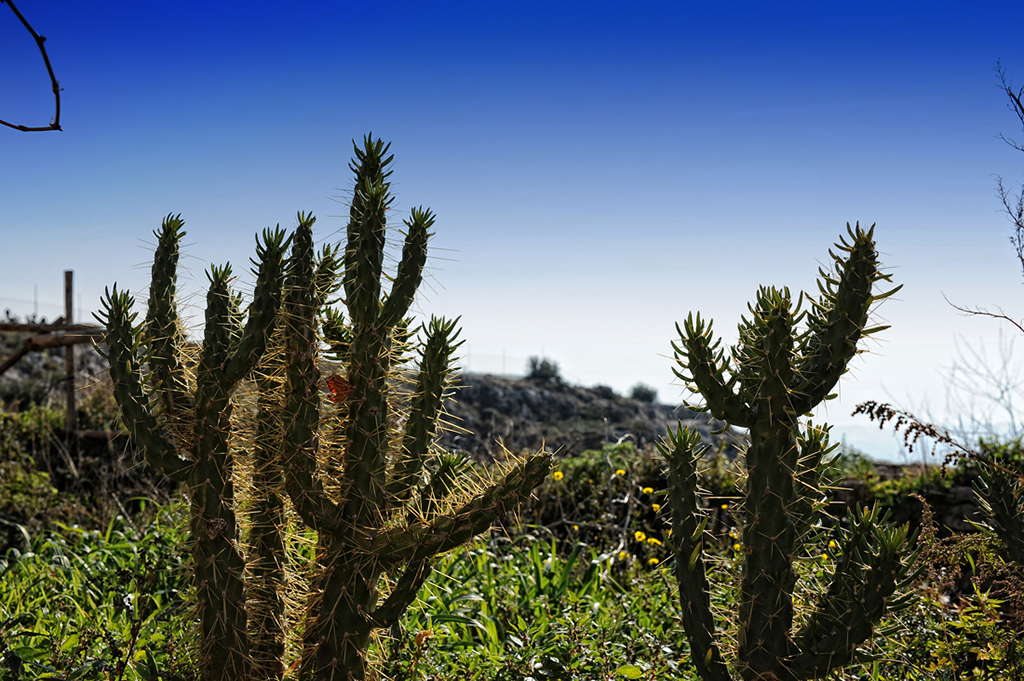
(525, 413)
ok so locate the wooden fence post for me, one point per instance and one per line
(71, 422)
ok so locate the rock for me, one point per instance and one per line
(566, 419)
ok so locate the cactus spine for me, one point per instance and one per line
(776, 374)
(184, 432)
(388, 517)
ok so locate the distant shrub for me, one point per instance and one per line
(643, 392)
(543, 370)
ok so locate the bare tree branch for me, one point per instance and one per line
(1013, 206)
(995, 384)
(1016, 105)
(55, 123)
(982, 312)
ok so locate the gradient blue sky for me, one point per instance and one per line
(598, 169)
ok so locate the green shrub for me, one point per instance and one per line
(643, 392)
(543, 370)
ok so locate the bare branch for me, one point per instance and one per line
(996, 384)
(55, 123)
(982, 312)
(1016, 105)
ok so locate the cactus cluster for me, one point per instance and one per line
(1000, 490)
(244, 426)
(776, 374)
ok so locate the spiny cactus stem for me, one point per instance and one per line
(302, 403)
(421, 424)
(707, 368)
(402, 596)
(162, 328)
(220, 568)
(365, 457)
(421, 540)
(122, 343)
(247, 352)
(682, 450)
(410, 268)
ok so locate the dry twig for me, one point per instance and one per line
(55, 123)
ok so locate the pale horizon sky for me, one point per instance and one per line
(598, 170)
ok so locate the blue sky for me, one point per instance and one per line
(598, 170)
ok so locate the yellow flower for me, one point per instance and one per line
(736, 547)
(576, 528)
(734, 535)
(652, 540)
(648, 490)
(558, 475)
(824, 557)
(621, 471)
(640, 536)
(623, 555)
(832, 544)
(653, 561)
(725, 507)
(655, 507)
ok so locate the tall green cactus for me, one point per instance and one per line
(182, 422)
(775, 375)
(388, 517)
(364, 472)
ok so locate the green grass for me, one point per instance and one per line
(575, 592)
(96, 604)
(111, 604)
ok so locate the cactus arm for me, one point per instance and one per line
(839, 320)
(450, 468)
(402, 595)
(808, 502)
(421, 426)
(336, 333)
(421, 540)
(682, 450)
(302, 392)
(410, 268)
(266, 561)
(263, 310)
(764, 357)
(364, 256)
(327, 266)
(122, 342)
(707, 365)
(220, 568)
(875, 562)
(162, 328)
(999, 494)
(365, 455)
